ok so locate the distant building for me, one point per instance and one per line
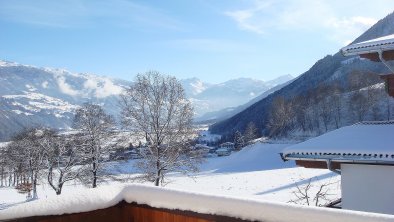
(223, 152)
(204, 149)
(363, 154)
(227, 145)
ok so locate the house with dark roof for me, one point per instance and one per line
(363, 154)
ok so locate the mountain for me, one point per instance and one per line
(208, 97)
(231, 111)
(194, 86)
(31, 96)
(327, 70)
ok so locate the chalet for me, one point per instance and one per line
(227, 145)
(223, 152)
(204, 149)
(377, 50)
(363, 154)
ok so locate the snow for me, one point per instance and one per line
(252, 158)
(20, 112)
(253, 184)
(383, 38)
(37, 101)
(373, 45)
(362, 138)
(7, 63)
(158, 197)
(4, 144)
(30, 88)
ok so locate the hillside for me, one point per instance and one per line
(32, 96)
(330, 69)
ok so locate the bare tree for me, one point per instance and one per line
(95, 127)
(30, 156)
(281, 116)
(325, 111)
(61, 159)
(336, 104)
(156, 108)
(3, 166)
(239, 140)
(312, 194)
(250, 132)
(358, 105)
(301, 106)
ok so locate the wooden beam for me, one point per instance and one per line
(130, 212)
(374, 56)
(389, 83)
(317, 164)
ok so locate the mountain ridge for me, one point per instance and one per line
(31, 95)
(329, 68)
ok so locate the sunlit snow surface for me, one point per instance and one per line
(257, 173)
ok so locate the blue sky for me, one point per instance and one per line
(214, 40)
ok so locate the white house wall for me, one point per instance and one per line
(368, 188)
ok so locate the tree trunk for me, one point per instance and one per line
(59, 190)
(94, 179)
(157, 180)
(35, 196)
(94, 171)
(94, 184)
(2, 176)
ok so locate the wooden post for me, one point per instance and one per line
(389, 83)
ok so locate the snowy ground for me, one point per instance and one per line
(256, 172)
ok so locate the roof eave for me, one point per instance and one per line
(365, 49)
(348, 51)
(342, 160)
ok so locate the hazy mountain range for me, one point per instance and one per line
(209, 98)
(44, 96)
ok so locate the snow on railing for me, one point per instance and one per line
(247, 209)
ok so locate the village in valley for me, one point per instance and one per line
(162, 147)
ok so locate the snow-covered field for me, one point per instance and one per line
(256, 172)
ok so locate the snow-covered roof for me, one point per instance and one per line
(384, 43)
(104, 197)
(223, 150)
(4, 144)
(365, 142)
(227, 144)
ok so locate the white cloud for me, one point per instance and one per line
(102, 87)
(65, 87)
(108, 89)
(90, 84)
(346, 28)
(341, 20)
(44, 84)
